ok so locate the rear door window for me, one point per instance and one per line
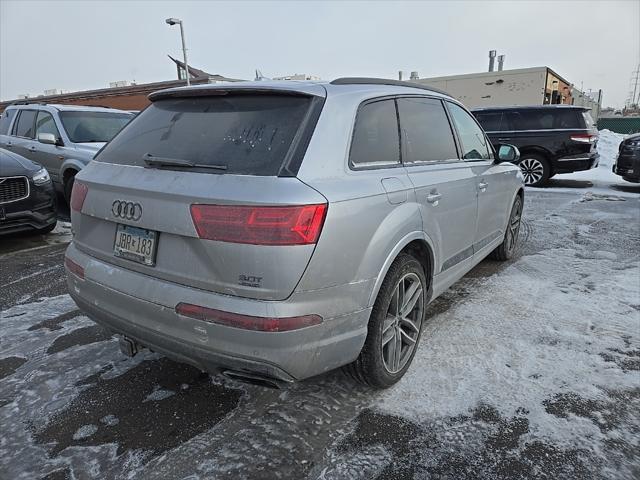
(5, 121)
(544, 119)
(26, 121)
(426, 133)
(376, 142)
(490, 121)
(474, 142)
(243, 134)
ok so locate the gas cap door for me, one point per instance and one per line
(396, 190)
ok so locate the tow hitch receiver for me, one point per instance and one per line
(128, 347)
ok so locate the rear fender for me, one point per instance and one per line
(388, 260)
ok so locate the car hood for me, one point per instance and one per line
(12, 164)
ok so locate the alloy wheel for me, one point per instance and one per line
(532, 170)
(402, 324)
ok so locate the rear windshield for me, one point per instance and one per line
(243, 134)
(89, 127)
(588, 120)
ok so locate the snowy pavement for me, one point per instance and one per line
(526, 369)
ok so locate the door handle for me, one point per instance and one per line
(32, 149)
(9, 145)
(433, 198)
(483, 186)
(504, 139)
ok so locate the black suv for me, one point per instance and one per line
(628, 162)
(552, 138)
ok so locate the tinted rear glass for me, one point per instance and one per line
(545, 119)
(490, 121)
(24, 128)
(89, 127)
(588, 120)
(375, 137)
(5, 121)
(247, 134)
(426, 133)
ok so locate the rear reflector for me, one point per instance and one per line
(291, 225)
(78, 194)
(246, 322)
(73, 267)
(584, 138)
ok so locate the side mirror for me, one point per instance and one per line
(508, 153)
(48, 138)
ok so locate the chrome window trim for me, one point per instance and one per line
(541, 130)
(26, 179)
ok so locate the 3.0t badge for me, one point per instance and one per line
(126, 210)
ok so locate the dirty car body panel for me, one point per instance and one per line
(277, 147)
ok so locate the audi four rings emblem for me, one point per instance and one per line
(126, 210)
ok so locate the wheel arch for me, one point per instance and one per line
(420, 246)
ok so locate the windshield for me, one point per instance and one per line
(247, 134)
(89, 127)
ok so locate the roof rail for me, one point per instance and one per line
(26, 102)
(384, 81)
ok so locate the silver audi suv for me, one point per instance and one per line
(278, 230)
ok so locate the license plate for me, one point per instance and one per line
(136, 244)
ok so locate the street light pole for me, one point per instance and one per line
(174, 21)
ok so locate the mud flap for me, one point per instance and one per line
(129, 347)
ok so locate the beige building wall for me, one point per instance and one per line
(524, 86)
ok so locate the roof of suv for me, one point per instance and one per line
(317, 88)
(531, 107)
(64, 108)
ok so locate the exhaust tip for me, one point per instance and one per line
(253, 379)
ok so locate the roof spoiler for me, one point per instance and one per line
(384, 81)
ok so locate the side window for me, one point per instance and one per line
(490, 121)
(5, 121)
(426, 133)
(46, 124)
(26, 120)
(567, 119)
(375, 136)
(474, 143)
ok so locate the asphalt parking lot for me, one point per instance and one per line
(526, 369)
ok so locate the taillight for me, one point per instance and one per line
(78, 194)
(246, 322)
(584, 138)
(291, 225)
(73, 267)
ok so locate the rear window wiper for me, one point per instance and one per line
(152, 160)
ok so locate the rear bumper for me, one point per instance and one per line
(143, 308)
(576, 163)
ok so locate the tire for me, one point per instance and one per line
(377, 366)
(68, 187)
(507, 248)
(535, 169)
(47, 229)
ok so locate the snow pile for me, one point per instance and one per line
(608, 145)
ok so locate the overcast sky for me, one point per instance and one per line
(75, 45)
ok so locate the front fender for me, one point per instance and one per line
(74, 164)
